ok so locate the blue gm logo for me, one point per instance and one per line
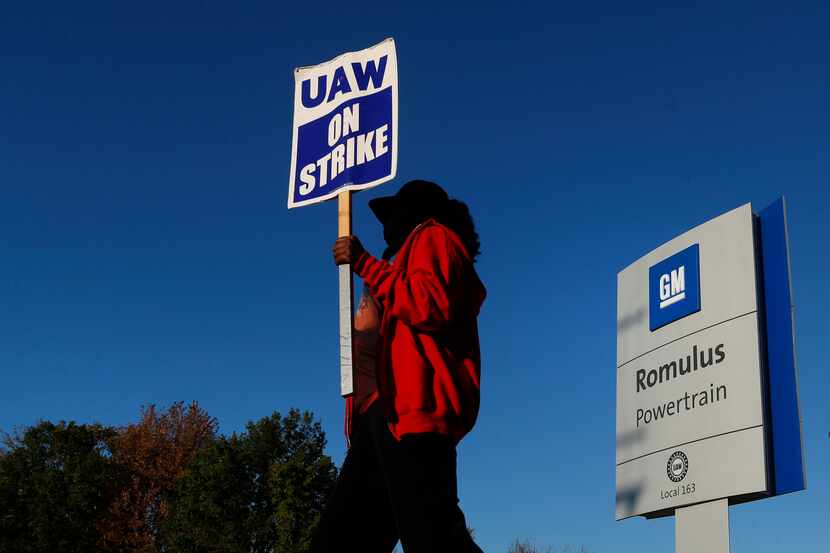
(674, 287)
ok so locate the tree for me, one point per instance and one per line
(164, 484)
(154, 453)
(527, 546)
(56, 481)
(301, 482)
(259, 491)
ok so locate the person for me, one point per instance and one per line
(417, 393)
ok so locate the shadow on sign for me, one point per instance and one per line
(631, 320)
(631, 437)
(627, 498)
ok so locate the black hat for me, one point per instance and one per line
(417, 197)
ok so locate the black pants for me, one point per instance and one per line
(390, 490)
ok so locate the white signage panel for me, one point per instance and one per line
(702, 385)
(719, 467)
(727, 284)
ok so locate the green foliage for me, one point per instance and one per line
(56, 481)
(259, 491)
(300, 483)
(209, 509)
(79, 488)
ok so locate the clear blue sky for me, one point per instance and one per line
(146, 254)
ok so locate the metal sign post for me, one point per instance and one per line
(344, 228)
(702, 528)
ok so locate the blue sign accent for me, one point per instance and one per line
(782, 377)
(674, 287)
(360, 155)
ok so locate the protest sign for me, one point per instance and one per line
(345, 132)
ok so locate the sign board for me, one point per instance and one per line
(345, 132)
(693, 419)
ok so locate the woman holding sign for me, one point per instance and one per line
(417, 390)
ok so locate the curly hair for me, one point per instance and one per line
(455, 215)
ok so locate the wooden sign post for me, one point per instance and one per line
(344, 228)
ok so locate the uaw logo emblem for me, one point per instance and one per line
(674, 287)
(677, 467)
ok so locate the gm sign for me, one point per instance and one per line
(674, 287)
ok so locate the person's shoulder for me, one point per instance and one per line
(431, 230)
(437, 234)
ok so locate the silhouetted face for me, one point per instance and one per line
(397, 228)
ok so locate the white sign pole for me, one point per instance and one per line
(344, 228)
(702, 528)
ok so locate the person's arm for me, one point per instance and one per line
(423, 296)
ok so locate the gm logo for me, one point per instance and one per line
(674, 287)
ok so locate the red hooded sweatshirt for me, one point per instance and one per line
(429, 363)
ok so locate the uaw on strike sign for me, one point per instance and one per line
(345, 134)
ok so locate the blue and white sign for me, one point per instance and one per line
(345, 132)
(674, 287)
(707, 392)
